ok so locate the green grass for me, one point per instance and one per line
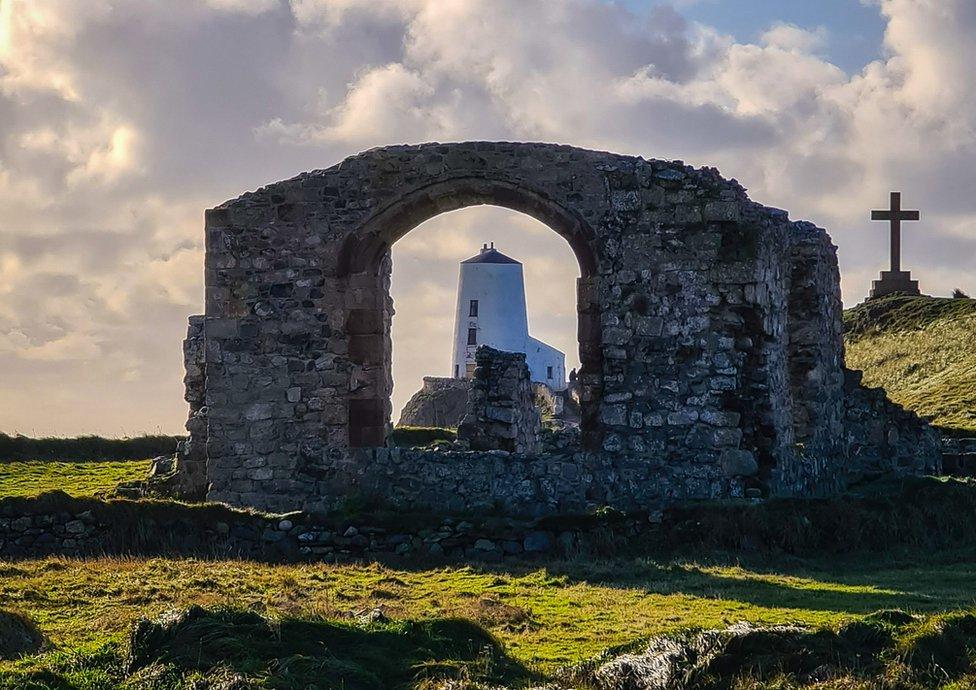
(88, 478)
(546, 618)
(922, 351)
(237, 648)
(419, 436)
(286, 625)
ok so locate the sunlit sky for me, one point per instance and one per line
(122, 120)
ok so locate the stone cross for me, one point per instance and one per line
(895, 215)
(895, 280)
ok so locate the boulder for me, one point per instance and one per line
(440, 403)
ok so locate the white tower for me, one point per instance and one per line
(491, 311)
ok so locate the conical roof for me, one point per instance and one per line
(490, 255)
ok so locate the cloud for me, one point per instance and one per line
(794, 38)
(123, 120)
(247, 7)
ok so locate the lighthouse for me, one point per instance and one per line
(491, 311)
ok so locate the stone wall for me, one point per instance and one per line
(440, 402)
(707, 329)
(59, 525)
(500, 412)
(566, 481)
(884, 438)
(959, 456)
(814, 367)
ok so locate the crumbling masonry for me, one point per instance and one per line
(709, 335)
(500, 413)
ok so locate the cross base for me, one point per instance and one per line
(895, 281)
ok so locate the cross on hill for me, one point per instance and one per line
(895, 280)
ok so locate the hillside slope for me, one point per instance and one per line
(922, 351)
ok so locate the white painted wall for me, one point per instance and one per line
(540, 357)
(501, 322)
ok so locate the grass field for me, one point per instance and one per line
(545, 618)
(922, 351)
(74, 478)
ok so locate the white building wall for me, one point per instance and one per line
(501, 322)
(544, 359)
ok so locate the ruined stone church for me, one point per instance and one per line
(709, 336)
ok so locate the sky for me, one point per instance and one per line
(122, 120)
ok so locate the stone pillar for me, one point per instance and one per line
(500, 414)
(369, 320)
(187, 479)
(815, 355)
(194, 380)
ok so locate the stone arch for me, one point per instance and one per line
(683, 305)
(366, 247)
(364, 262)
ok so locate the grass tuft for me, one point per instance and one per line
(19, 635)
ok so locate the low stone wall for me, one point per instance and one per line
(880, 516)
(56, 524)
(959, 456)
(555, 482)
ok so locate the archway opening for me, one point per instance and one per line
(367, 264)
(430, 315)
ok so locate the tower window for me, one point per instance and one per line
(472, 336)
(473, 308)
(456, 371)
(548, 372)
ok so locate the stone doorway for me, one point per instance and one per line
(365, 261)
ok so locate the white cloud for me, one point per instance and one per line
(123, 120)
(332, 14)
(794, 38)
(247, 7)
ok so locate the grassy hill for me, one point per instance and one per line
(922, 351)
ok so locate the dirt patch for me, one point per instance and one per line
(493, 613)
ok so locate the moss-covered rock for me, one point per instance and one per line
(238, 648)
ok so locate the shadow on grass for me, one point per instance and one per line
(922, 582)
(231, 647)
(380, 654)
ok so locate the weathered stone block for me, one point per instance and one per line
(738, 463)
